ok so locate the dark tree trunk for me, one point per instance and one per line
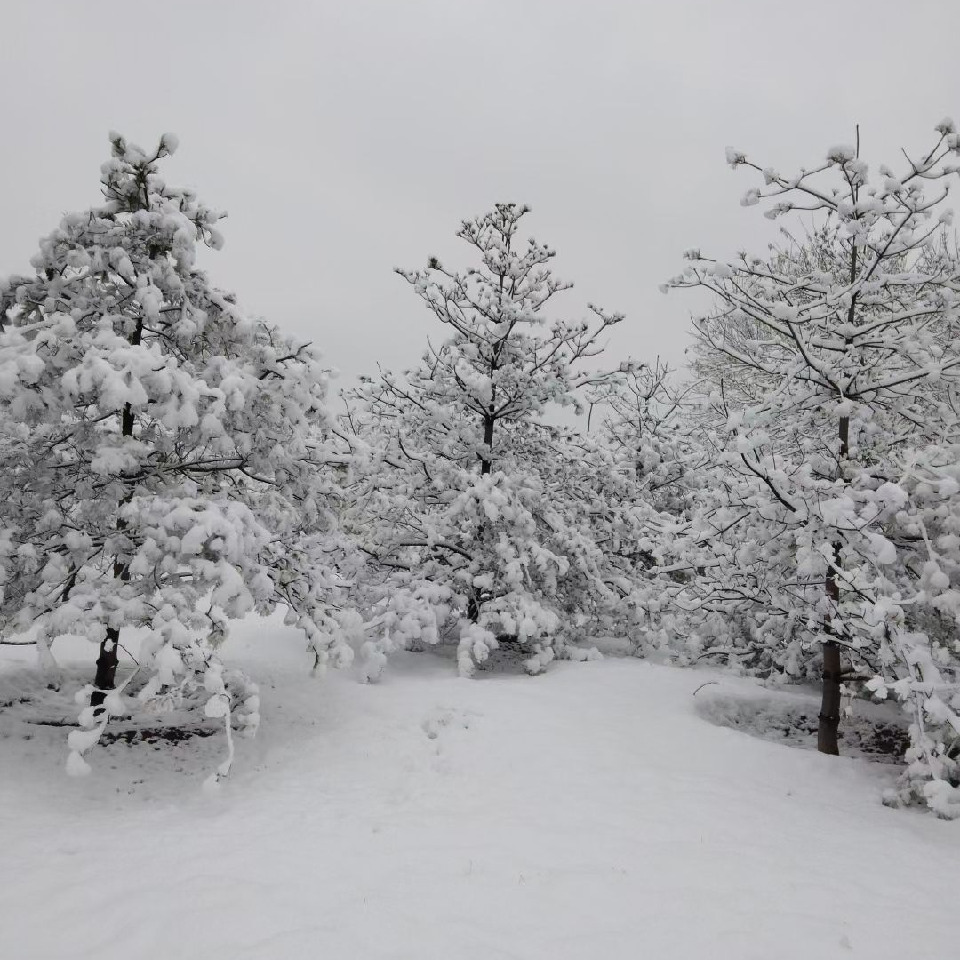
(106, 676)
(486, 467)
(832, 667)
(832, 670)
(830, 702)
(486, 461)
(832, 676)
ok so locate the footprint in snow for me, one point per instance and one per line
(444, 717)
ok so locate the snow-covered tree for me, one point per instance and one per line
(474, 531)
(822, 363)
(646, 417)
(163, 454)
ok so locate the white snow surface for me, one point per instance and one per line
(591, 812)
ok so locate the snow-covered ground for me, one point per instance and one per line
(588, 813)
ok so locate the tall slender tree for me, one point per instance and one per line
(822, 360)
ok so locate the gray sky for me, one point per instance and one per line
(348, 138)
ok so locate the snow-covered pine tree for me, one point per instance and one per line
(823, 360)
(476, 539)
(163, 454)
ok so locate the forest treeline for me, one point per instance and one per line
(788, 505)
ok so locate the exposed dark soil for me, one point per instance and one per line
(873, 732)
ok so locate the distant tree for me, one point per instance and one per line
(648, 422)
(466, 510)
(163, 453)
(645, 416)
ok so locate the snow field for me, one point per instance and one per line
(588, 813)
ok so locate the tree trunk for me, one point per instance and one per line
(830, 703)
(486, 467)
(486, 461)
(106, 676)
(473, 610)
(829, 723)
(832, 669)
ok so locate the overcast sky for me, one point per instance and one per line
(345, 139)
